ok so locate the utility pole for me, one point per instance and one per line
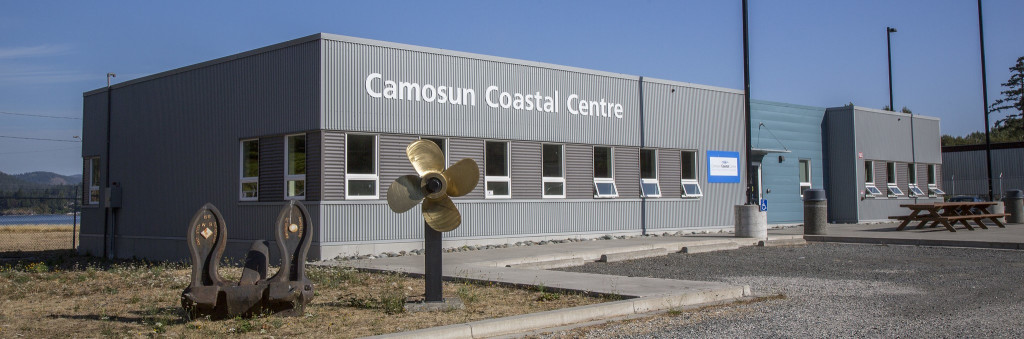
(984, 96)
(746, 108)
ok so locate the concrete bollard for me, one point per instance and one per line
(751, 222)
(815, 212)
(998, 208)
(1013, 202)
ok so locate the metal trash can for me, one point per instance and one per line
(1013, 203)
(815, 212)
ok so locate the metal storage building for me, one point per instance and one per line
(965, 169)
(326, 118)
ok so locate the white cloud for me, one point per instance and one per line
(32, 51)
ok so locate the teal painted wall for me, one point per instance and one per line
(798, 129)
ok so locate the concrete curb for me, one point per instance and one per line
(782, 242)
(710, 247)
(574, 315)
(622, 256)
(917, 242)
(545, 265)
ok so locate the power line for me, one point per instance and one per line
(26, 138)
(41, 116)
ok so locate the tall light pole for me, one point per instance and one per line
(746, 109)
(888, 47)
(984, 96)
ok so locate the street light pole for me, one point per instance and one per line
(888, 47)
(746, 110)
(984, 96)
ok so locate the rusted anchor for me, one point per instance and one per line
(286, 293)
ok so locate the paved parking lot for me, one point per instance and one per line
(838, 290)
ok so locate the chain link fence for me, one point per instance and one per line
(979, 186)
(34, 225)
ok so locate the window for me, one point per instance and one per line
(441, 143)
(649, 187)
(604, 173)
(933, 189)
(869, 179)
(361, 166)
(805, 176)
(553, 171)
(249, 177)
(688, 171)
(912, 179)
(93, 177)
(295, 165)
(496, 172)
(890, 180)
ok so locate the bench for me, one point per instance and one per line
(946, 212)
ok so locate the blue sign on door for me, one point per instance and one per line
(763, 206)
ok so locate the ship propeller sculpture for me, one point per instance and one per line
(434, 185)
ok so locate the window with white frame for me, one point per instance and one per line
(915, 191)
(688, 175)
(496, 170)
(805, 175)
(933, 188)
(93, 178)
(361, 178)
(295, 166)
(890, 180)
(553, 170)
(249, 166)
(441, 143)
(869, 179)
(649, 187)
(604, 173)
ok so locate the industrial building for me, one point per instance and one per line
(965, 169)
(563, 151)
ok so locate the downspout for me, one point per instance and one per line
(643, 199)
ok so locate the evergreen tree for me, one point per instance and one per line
(1013, 99)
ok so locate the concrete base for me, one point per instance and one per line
(751, 222)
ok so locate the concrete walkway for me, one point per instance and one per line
(526, 266)
(1011, 237)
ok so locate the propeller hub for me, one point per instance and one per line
(433, 185)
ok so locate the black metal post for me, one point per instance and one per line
(105, 192)
(432, 264)
(746, 109)
(984, 96)
(888, 47)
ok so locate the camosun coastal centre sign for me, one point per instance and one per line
(377, 86)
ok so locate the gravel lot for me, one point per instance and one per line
(837, 290)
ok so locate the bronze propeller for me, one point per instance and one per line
(435, 184)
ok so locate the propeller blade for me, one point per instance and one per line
(404, 193)
(462, 177)
(441, 214)
(425, 156)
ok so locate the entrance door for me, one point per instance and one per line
(759, 190)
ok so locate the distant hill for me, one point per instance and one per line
(49, 178)
(10, 182)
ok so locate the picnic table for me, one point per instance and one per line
(949, 214)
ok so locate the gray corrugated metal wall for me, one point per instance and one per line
(579, 160)
(527, 163)
(347, 106)
(314, 165)
(968, 167)
(627, 171)
(334, 165)
(393, 160)
(669, 169)
(271, 186)
(175, 139)
(844, 172)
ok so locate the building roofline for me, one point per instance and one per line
(400, 46)
(878, 111)
(981, 147)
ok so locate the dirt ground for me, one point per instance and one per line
(60, 294)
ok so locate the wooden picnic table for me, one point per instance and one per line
(949, 214)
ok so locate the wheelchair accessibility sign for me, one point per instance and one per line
(763, 206)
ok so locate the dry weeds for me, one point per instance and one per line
(74, 296)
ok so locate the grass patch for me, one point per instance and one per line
(35, 228)
(76, 296)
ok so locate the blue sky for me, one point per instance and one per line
(809, 52)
